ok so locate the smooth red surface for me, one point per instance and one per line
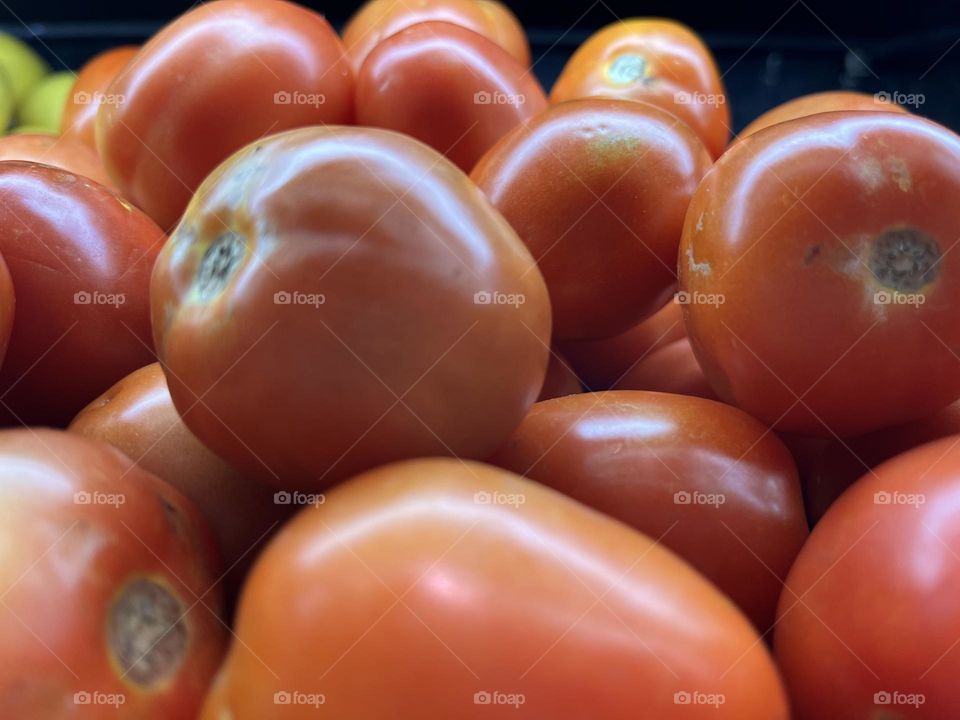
(671, 369)
(91, 90)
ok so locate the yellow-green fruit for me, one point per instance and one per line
(45, 104)
(30, 130)
(8, 103)
(22, 64)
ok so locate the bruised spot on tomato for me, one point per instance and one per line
(219, 263)
(146, 632)
(627, 69)
(905, 259)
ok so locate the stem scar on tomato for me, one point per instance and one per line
(905, 259)
(219, 263)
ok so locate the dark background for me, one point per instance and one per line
(769, 51)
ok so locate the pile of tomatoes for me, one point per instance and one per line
(354, 376)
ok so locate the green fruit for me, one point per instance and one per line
(8, 103)
(30, 130)
(23, 66)
(45, 104)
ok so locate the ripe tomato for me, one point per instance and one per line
(705, 479)
(447, 86)
(476, 594)
(868, 618)
(831, 101)
(63, 152)
(671, 369)
(815, 251)
(377, 20)
(602, 363)
(106, 580)
(217, 78)
(80, 259)
(7, 308)
(90, 91)
(605, 229)
(561, 380)
(322, 328)
(137, 416)
(658, 61)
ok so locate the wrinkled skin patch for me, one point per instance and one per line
(146, 633)
(905, 259)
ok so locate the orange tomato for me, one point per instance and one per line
(90, 91)
(66, 153)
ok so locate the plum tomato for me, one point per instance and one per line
(824, 298)
(560, 380)
(377, 20)
(600, 364)
(446, 86)
(670, 369)
(868, 619)
(66, 153)
(606, 227)
(476, 594)
(80, 259)
(90, 91)
(107, 578)
(217, 78)
(137, 416)
(705, 479)
(657, 61)
(322, 328)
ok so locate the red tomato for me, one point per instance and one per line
(670, 369)
(448, 87)
(80, 259)
(107, 578)
(561, 380)
(66, 153)
(606, 227)
(344, 328)
(868, 620)
(602, 363)
(705, 479)
(215, 79)
(90, 91)
(7, 308)
(814, 253)
(658, 61)
(377, 20)
(474, 594)
(137, 416)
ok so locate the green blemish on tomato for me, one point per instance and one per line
(219, 263)
(627, 69)
(904, 259)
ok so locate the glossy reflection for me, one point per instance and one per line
(90, 91)
(449, 87)
(706, 479)
(816, 252)
(498, 580)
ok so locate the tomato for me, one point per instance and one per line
(66, 153)
(7, 308)
(602, 363)
(671, 369)
(321, 328)
(212, 81)
(475, 594)
(80, 259)
(106, 580)
(137, 416)
(560, 380)
(868, 620)
(90, 91)
(657, 61)
(830, 101)
(378, 20)
(447, 86)
(705, 479)
(606, 227)
(816, 253)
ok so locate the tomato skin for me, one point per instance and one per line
(217, 78)
(7, 308)
(608, 264)
(137, 417)
(63, 152)
(411, 280)
(90, 90)
(84, 532)
(671, 369)
(429, 81)
(873, 226)
(560, 380)
(629, 453)
(660, 62)
(473, 580)
(80, 259)
(879, 580)
(378, 20)
(602, 363)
